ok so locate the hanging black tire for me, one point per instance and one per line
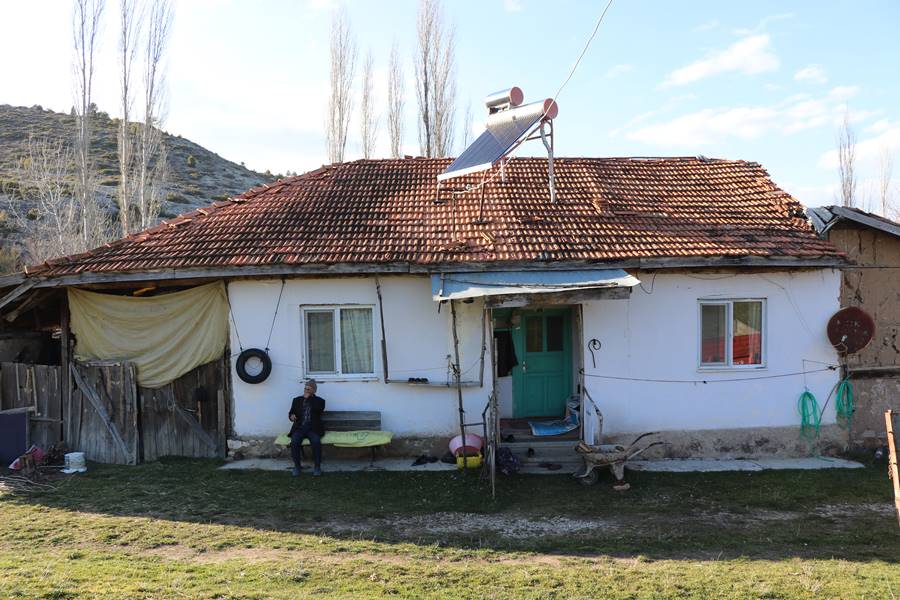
(249, 354)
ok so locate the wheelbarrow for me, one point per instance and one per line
(613, 456)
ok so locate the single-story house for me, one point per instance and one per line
(684, 295)
(872, 283)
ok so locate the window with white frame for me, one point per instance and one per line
(339, 340)
(731, 333)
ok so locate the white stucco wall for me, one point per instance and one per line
(655, 335)
(418, 341)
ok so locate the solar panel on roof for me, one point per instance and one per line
(503, 130)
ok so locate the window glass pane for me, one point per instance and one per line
(712, 336)
(534, 334)
(746, 347)
(554, 334)
(320, 341)
(356, 340)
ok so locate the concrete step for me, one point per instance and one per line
(542, 446)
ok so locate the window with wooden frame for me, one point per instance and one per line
(732, 333)
(339, 341)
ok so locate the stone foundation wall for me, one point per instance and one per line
(756, 442)
(760, 442)
(264, 447)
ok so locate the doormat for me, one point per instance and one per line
(559, 427)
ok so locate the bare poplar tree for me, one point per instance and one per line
(368, 120)
(47, 214)
(467, 125)
(847, 162)
(340, 98)
(885, 176)
(395, 102)
(86, 31)
(151, 159)
(129, 32)
(435, 80)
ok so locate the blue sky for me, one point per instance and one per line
(762, 81)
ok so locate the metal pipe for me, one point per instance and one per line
(549, 148)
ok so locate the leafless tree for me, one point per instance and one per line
(151, 168)
(395, 102)
(886, 173)
(368, 120)
(86, 32)
(467, 125)
(46, 213)
(340, 95)
(847, 162)
(129, 32)
(435, 80)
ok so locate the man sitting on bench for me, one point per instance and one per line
(306, 416)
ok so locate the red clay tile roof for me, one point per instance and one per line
(384, 211)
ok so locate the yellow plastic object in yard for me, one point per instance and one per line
(471, 462)
(345, 439)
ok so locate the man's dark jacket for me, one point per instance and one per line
(317, 406)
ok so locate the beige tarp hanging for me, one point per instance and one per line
(165, 336)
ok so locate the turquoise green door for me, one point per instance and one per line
(543, 378)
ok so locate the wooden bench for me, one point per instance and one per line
(359, 424)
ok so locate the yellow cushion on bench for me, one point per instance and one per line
(346, 439)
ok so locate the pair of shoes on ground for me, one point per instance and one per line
(296, 472)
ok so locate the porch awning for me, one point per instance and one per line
(458, 286)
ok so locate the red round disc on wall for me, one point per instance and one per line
(850, 329)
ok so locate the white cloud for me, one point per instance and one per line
(763, 24)
(750, 56)
(811, 73)
(709, 126)
(813, 195)
(619, 70)
(843, 92)
(707, 26)
(869, 150)
(879, 126)
(512, 5)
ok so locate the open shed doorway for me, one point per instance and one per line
(536, 348)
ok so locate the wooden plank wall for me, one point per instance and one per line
(36, 387)
(114, 387)
(166, 413)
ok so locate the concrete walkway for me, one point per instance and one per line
(706, 465)
(670, 465)
(336, 466)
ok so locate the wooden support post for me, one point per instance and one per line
(457, 371)
(384, 356)
(484, 311)
(65, 388)
(892, 459)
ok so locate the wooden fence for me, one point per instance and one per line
(113, 420)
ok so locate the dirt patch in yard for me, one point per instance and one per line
(448, 523)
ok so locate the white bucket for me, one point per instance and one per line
(75, 463)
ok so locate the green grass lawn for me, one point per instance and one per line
(183, 529)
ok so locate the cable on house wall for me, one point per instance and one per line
(275, 316)
(708, 381)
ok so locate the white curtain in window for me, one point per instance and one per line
(320, 341)
(356, 340)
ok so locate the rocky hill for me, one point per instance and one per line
(196, 176)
